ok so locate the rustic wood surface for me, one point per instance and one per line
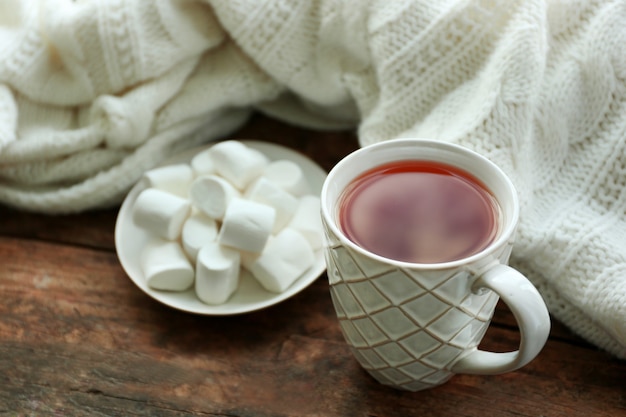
(78, 338)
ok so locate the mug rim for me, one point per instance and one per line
(502, 238)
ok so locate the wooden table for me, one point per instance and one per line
(77, 337)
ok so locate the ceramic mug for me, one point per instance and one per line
(413, 326)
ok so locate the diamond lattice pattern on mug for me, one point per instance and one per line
(406, 327)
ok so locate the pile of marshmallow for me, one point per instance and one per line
(230, 208)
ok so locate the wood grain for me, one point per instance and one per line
(77, 338)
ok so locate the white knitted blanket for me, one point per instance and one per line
(93, 93)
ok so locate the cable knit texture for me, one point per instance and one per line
(93, 93)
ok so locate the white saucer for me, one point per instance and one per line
(250, 296)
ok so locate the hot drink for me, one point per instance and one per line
(419, 212)
(418, 234)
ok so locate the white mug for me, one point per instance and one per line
(413, 326)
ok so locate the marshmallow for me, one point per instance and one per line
(166, 267)
(237, 163)
(202, 163)
(246, 225)
(284, 260)
(212, 194)
(260, 155)
(217, 273)
(266, 192)
(198, 230)
(160, 212)
(307, 220)
(174, 179)
(287, 175)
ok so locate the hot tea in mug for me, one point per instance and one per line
(418, 235)
(419, 211)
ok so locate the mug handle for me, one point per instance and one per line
(532, 317)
